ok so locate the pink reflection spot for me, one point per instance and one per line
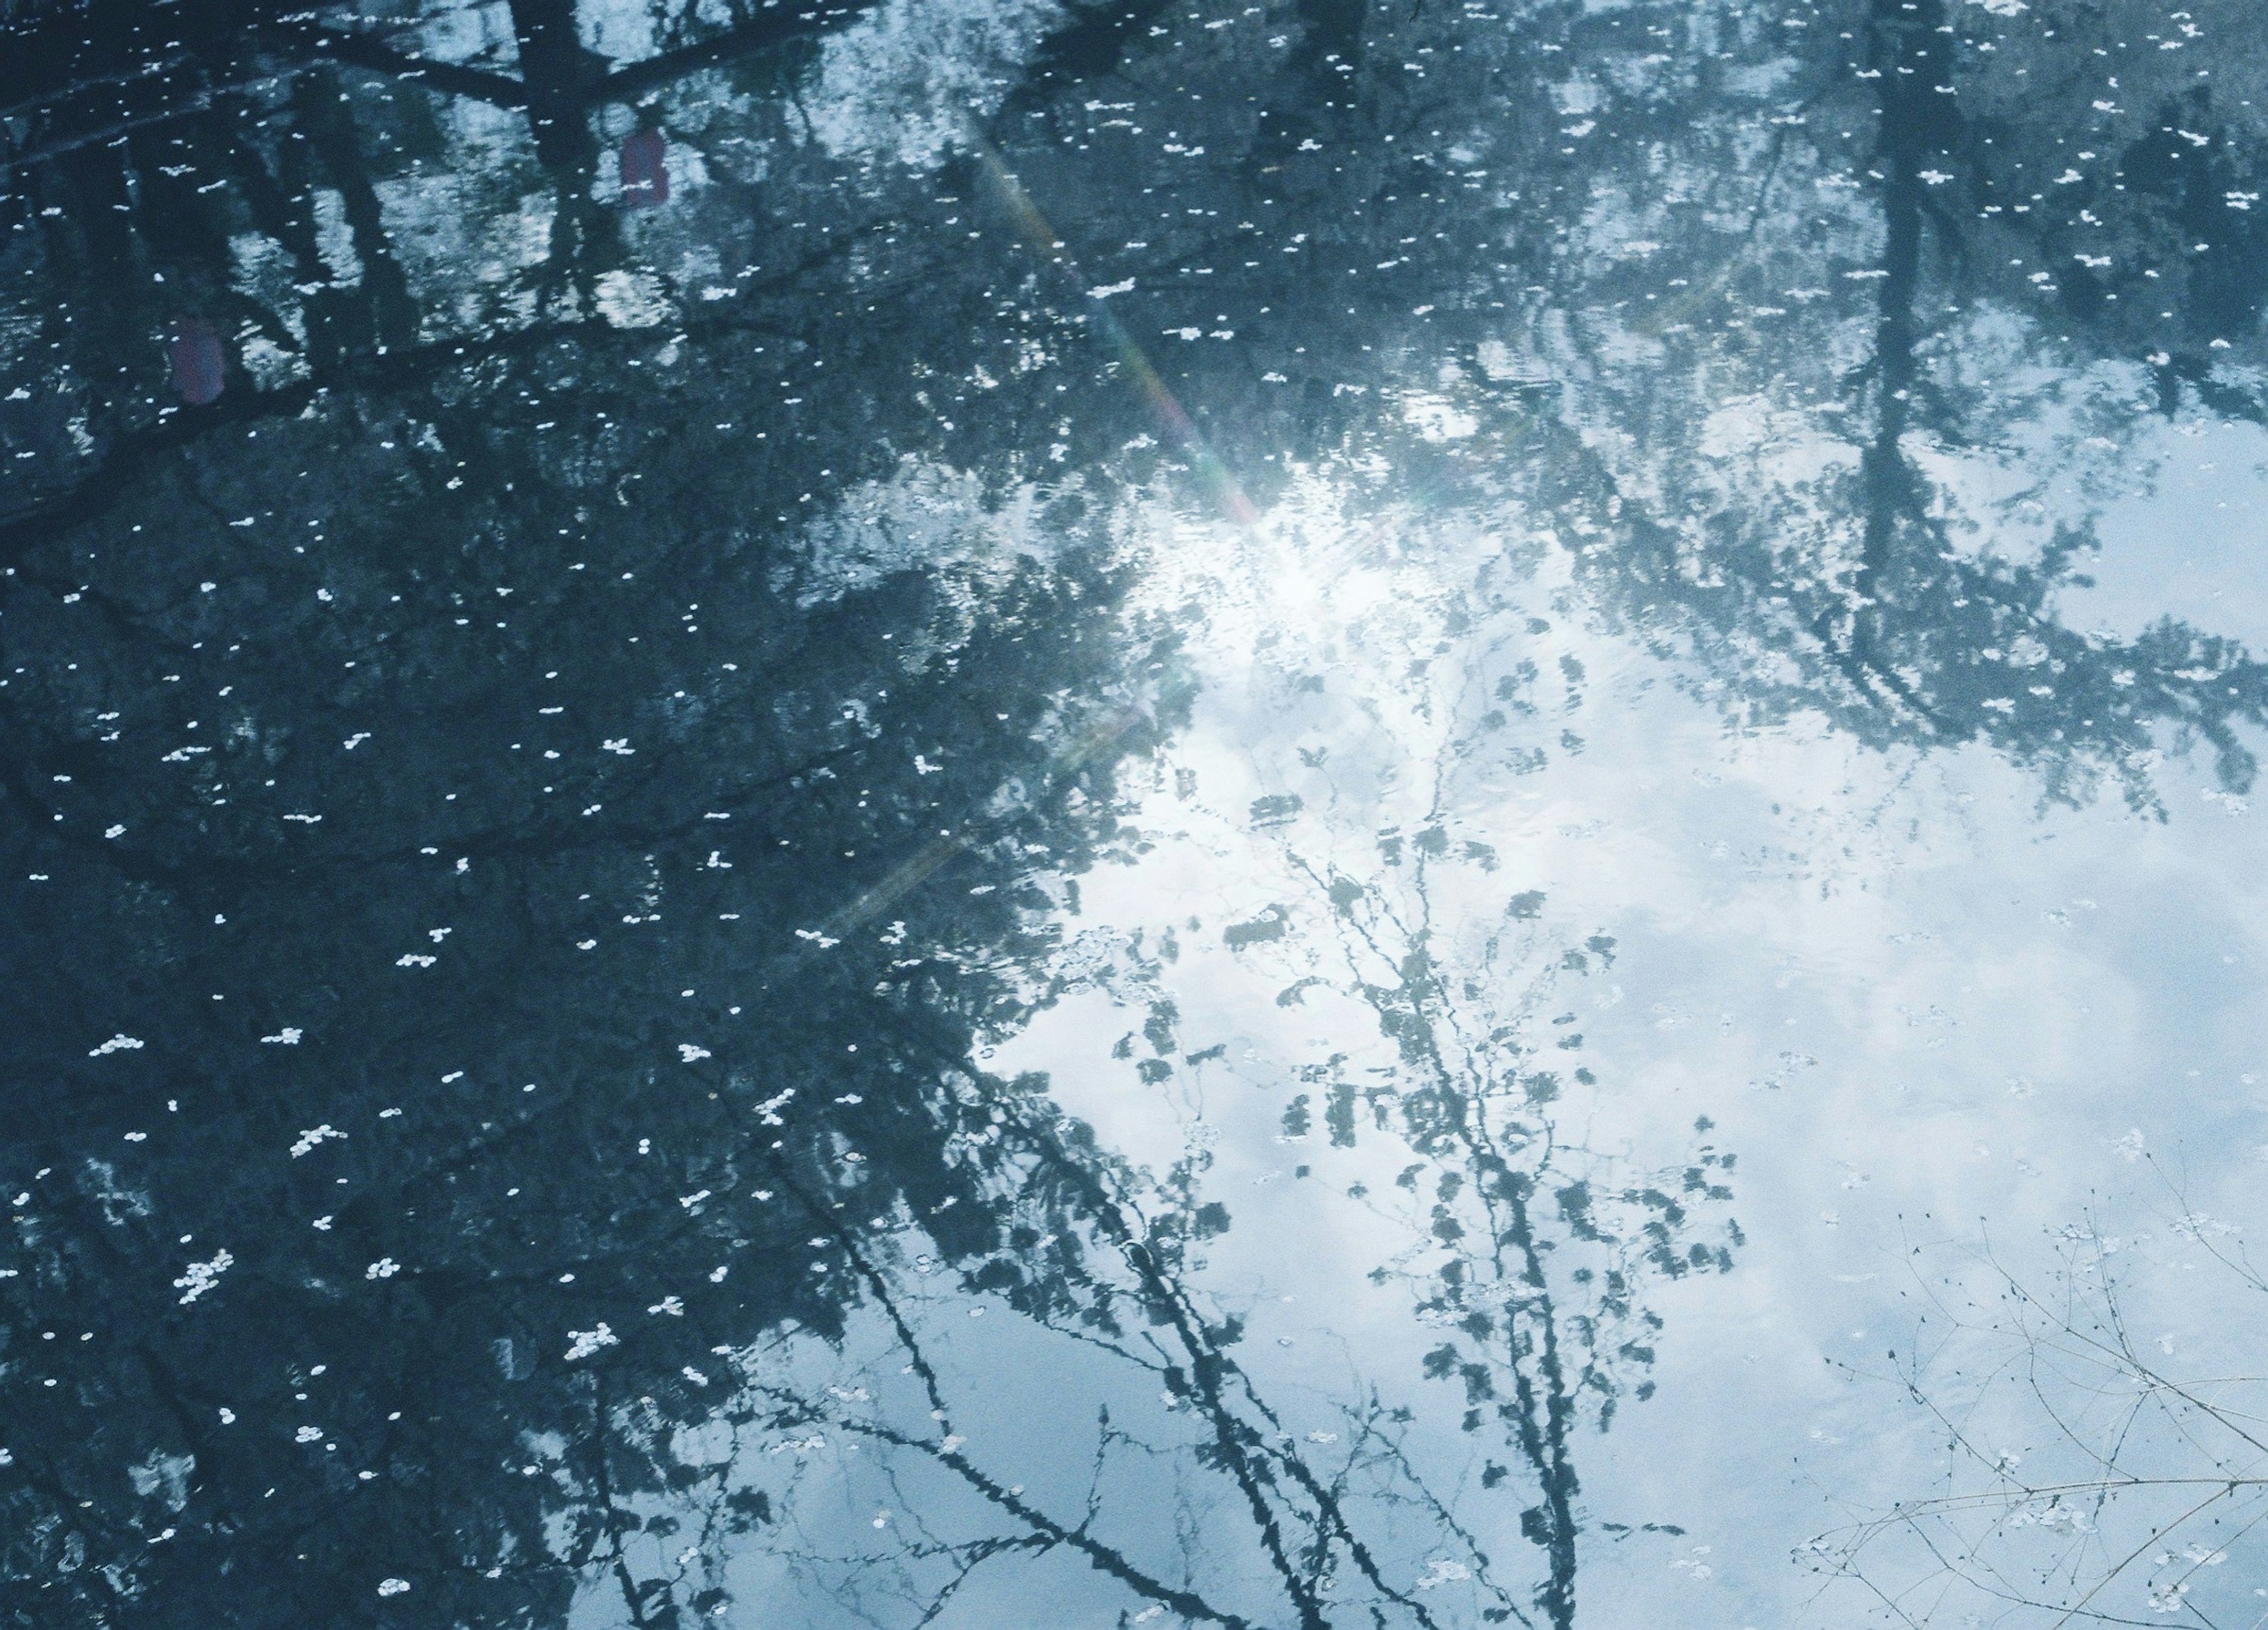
(200, 363)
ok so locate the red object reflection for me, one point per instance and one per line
(200, 363)
(646, 172)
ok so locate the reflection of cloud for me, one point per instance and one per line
(633, 299)
(1436, 419)
(901, 84)
(922, 517)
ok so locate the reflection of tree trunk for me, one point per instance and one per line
(1545, 1441)
(586, 239)
(1884, 474)
(385, 287)
(1919, 121)
(283, 207)
(95, 178)
(1543, 1411)
(92, 237)
(556, 71)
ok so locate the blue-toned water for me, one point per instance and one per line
(989, 813)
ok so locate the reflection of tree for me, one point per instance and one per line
(1314, 1528)
(1918, 607)
(1860, 582)
(1825, 258)
(419, 1278)
(1533, 1253)
(487, 712)
(493, 754)
(1542, 1253)
(727, 947)
(2127, 208)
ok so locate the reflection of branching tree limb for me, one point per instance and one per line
(1246, 1436)
(2087, 1479)
(1500, 1192)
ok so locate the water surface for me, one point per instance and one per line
(989, 813)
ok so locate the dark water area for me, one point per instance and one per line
(998, 814)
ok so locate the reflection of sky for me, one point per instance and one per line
(2193, 546)
(1924, 1010)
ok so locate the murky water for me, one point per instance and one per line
(987, 814)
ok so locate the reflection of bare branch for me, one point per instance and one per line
(1434, 1511)
(1105, 1558)
(2166, 1453)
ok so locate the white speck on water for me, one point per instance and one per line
(583, 1343)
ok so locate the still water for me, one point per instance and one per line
(993, 814)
